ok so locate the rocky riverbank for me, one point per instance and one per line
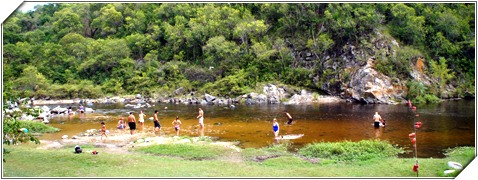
(271, 94)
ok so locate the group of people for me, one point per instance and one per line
(275, 124)
(157, 126)
(378, 122)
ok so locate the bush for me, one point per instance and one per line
(37, 127)
(350, 151)
(299, 77)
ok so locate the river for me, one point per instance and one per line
(445, 125)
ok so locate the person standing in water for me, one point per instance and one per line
(103, 130)
(201, 118)
(289, 117)
(131, 123)
(177, 125)
(157, 126)
(141, 118)
(275, 127)
(377, 119)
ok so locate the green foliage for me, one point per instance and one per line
(126, 47)
(299, 77)
(37, 127)
(230, 86)
(350, 151)
(406, 24)
(441, 72)
(30, 83)
(418, 93)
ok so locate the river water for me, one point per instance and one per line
(445, 125)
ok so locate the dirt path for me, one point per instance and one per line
(122, 141)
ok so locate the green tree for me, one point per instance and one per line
(218, 49)
(441, 72)
(109, 22)
(66, 21)
(105, 55)
(31, 83)
(406, 25)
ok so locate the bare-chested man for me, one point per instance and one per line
(157, 126)
(377, 119)
(131, 123)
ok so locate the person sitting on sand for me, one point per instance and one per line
(177, 124)
(121, 123)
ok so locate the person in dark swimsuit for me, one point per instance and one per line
(157, 126)
(131, 123)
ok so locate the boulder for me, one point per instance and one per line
(261, 98)
(369, 86)
(249, 101)
(209, 98)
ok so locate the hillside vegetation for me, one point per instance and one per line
(89, 50)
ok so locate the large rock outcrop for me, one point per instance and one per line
(369, 86)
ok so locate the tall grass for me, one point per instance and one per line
(350, 151)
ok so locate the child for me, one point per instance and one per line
(141, 118)
(275, 127)
(177, 124)
(103, 130)
(121, 124)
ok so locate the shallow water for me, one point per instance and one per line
(445, 125)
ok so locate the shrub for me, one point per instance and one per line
(350, 151)
(37, 127)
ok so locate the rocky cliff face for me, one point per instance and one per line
(352, 75)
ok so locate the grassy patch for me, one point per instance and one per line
(27, 160)
(37, 127)
(350, 151)
(186, 150)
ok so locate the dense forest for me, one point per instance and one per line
(70, 50)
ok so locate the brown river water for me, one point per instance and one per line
(445, 125)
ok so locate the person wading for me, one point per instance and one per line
(131, 123)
